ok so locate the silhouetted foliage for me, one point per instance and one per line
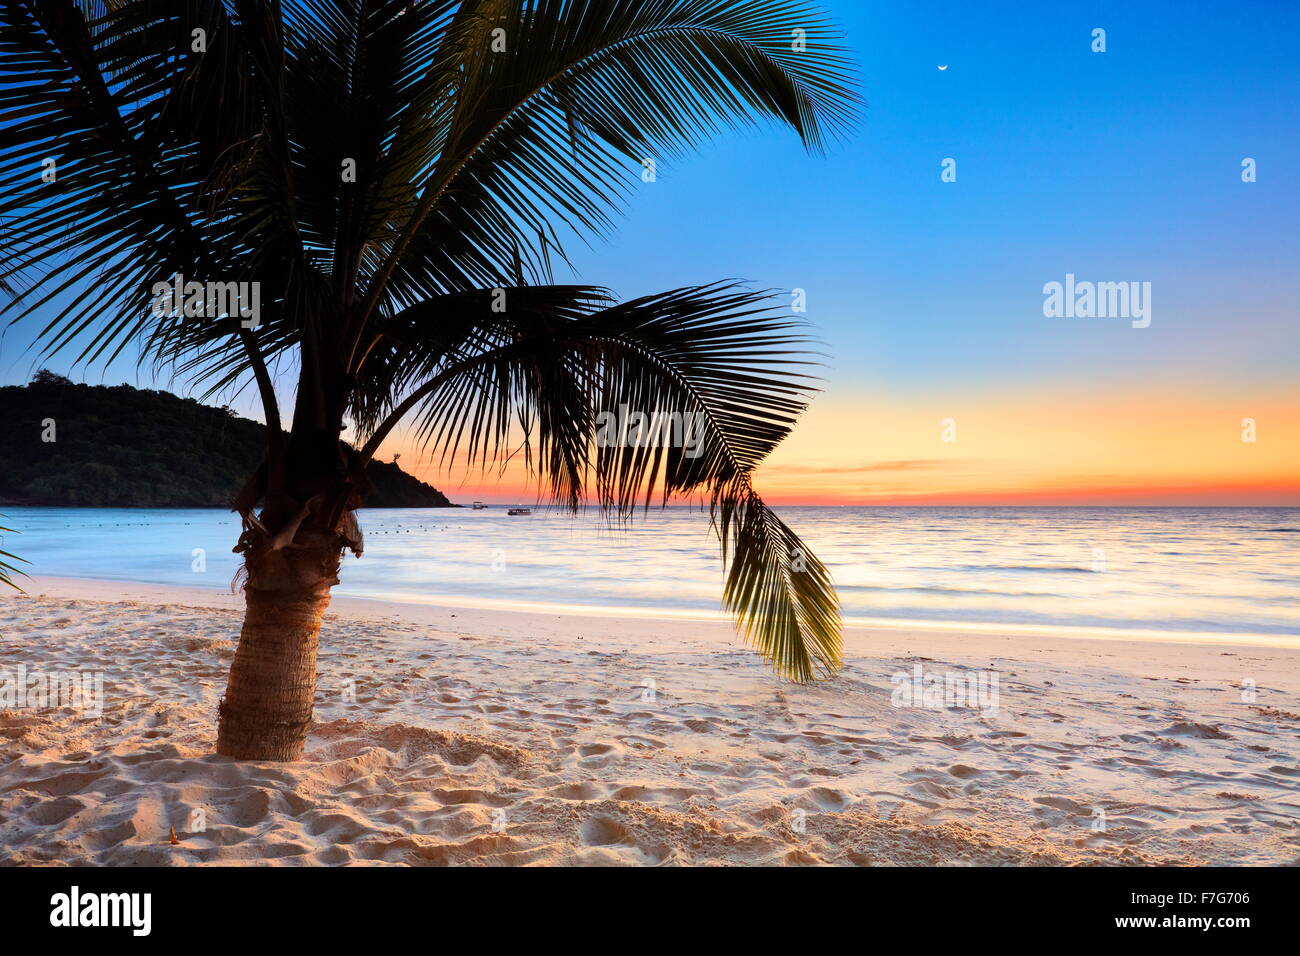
(125, 447)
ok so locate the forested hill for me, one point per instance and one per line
(123, 447)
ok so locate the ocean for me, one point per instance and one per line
(1167, 569)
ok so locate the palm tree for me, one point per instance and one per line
(7, 569)
(398, 179)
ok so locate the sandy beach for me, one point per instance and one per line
(483, 736)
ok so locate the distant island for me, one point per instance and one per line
(123, 447)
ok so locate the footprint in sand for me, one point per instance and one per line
(577, 791)
(1062, 803)
(604, 831)
(825, 799)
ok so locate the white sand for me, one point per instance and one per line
(496, 737)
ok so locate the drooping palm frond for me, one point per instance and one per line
(717, 374)
(383, 168)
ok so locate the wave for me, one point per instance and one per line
(938, 589)
(984, 567)
(1051, 568)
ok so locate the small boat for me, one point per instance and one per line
(479, 506)
(520, 511)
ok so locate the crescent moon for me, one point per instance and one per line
(944, 67)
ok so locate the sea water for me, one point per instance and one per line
(1168, 569)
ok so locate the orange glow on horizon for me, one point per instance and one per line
(1012, 447)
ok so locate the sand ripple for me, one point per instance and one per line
(435, 747)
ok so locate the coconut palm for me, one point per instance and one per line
(399, 179)
(8, 569)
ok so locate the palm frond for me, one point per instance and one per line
(719, 376)
(7, 568)
(542, 132)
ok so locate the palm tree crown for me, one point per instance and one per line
(399, 178)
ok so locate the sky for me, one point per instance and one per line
(944, 381)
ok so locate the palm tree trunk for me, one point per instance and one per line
(267, 709)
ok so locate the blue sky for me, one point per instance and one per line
(1123, 165)
(1114, 166)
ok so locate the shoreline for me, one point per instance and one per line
(485, 611)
